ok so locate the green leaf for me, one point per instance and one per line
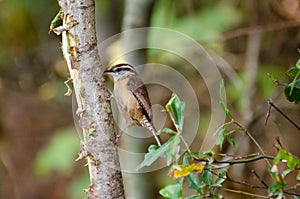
(291, 161)
(226, 110)
(207, 176)
(221, 136)
(292, 91)
(166, 130)
(194, 181)
(172, 149)
(172, 191)
(277, 189)
(175, 107)
(296, 197)
(222, 101)
(192, 197)
(209, 156)
(185, 160)
(168, 149)
(293, 72)
(57, 21)
(229, 139)
(220, 179)
(222, 83)
(298, 64)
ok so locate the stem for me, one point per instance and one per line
(252, 138)
(244, 193)
(240, 183)
(233, 161)
(271, 104)
(185, 144)
(260, 179)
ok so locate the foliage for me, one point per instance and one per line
(169, 149)
(184, 170)
(206, 174)
(291, 162)
(292, 90)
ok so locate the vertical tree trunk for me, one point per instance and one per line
(137, 14)
(79, 46)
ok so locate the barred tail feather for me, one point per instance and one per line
(145, 123)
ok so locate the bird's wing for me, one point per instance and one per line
(139, 90)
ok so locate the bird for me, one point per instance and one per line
(132, 96)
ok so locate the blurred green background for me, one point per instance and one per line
(38, 140)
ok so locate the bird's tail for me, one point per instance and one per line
(145, 123)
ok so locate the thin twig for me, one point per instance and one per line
(259, 178)
(225, 155)
(268, 115)
(252, 138)
(293, 187)
(257, 29)
(279, 142)
(270, 102)
(240, 161)
(183, 140)
(277, 82)
(246, 184)
(242, 192)
(256, 186)
(291, 193)
(225, 124)
(238, 182)
(186, 144)
(236, 157)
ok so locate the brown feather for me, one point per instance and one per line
(139, 90)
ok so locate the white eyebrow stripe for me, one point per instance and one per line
(123, 66)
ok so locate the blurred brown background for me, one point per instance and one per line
(38, 140)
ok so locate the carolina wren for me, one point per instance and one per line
(132, 96)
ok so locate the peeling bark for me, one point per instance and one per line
(79, 46)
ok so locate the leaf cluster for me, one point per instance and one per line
(292, 90)
(206, 174)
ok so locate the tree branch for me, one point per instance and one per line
(79, 46)
(257, 29)
(243, 193)
(240, 161)
(252, 138)
(271, 104)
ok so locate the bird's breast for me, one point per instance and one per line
(127, 102)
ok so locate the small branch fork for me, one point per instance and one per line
(272, 105)
(264, 186)
(249, 158)
(252, 138)
(246, 159)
